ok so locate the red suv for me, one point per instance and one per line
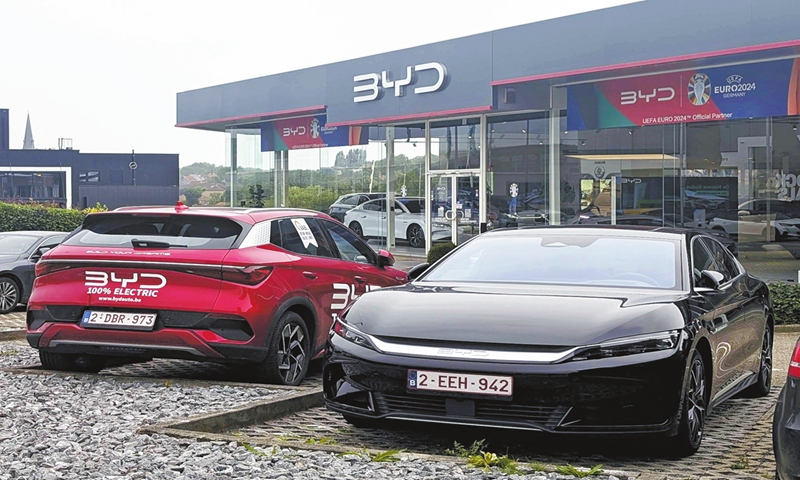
(246, 286)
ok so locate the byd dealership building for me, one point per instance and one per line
(659, 112)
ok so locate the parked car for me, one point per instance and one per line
(569, 330)
(347, 202)
(368, 220)
(742, 222)
(239, 286)
(786, 423)
(19, 252)
(760, 206)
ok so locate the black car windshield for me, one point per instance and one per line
(16, 244)
(564, 260)
(193, 232)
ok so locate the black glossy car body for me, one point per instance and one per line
(19, 252)
(786, 424)
(585, 354)
(347, 202)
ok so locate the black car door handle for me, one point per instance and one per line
(311, 275)
(360, 279)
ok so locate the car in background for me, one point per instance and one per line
(786, 423)
(257, 287)
(19, 252)
(760, 206)
(741, 222)
(368, 220)
(567, 330)
(349, 201)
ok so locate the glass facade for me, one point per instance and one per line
(412, 185)
(32, 186)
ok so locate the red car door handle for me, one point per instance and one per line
(310, 275)
(360, 279)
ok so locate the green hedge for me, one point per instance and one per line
(438, 251)
(32, 216)
(785, 302)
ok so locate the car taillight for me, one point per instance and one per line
(794, 365)
(45, 268)
(252, 275)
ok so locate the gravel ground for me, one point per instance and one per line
(54, 427)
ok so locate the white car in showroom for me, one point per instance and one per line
(743, 223)
(368, 220)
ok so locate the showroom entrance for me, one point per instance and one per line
(455, 206)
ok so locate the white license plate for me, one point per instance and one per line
(122, 320)
(460, 383)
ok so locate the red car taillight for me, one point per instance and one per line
(252, 275)
(794, 365)
(44, 268)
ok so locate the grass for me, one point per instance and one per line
(8, 353)
(321, 441)
(579, 473)
(486, 460)
(459, 450)
(742, 463)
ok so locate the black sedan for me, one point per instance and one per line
(786, 423)
(19, 252)
(574, 330)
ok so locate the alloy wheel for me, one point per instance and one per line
(766, 359)
(292, 354)
(356, 228)
(696, 401)
(9, 295)
(415, 236)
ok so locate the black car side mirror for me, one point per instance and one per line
(417, 270)
(710, 279)
(35, 256)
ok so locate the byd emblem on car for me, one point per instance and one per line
(144, 281)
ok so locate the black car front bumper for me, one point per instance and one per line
(786, 432)
(633, 394)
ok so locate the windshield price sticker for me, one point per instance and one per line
(460, 383)
(119, 320)
(306, 236)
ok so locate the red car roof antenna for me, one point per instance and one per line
(180, 206)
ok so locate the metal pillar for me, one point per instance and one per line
(390, 243)
(554, 177)
(234, 167)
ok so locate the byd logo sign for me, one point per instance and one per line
(376, 83)
(663, 94)
(144, 281)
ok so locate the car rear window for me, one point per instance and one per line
(565, 260)
(15, 244)
(194, 232)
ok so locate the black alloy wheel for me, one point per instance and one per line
(9, 295)
(693, 411)
(764, 382)
(288, 352)
(415, 236)
(356, 228)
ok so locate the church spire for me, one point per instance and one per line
(28, 142)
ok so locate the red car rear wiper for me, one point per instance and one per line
(153, 244)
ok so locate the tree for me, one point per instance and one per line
(199, 168)
(256, 195)
(192, 195)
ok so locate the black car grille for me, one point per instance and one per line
(544, 416)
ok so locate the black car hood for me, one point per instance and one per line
(8, 258)
(515, 315)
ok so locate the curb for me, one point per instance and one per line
(250, 414)
(9, 335)
(787, 328)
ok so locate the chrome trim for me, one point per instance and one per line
(470, 354)
(192, 350)
(125, 263)
(640, 338)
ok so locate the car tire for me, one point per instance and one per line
(693, 411)
(356, 228)
(288, 352)
(68, 362)
(9, 295)
(415, 236)
(764, 381)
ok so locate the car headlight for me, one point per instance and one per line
(652, 342)
(351, 334)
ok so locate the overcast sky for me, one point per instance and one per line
(105, 72)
